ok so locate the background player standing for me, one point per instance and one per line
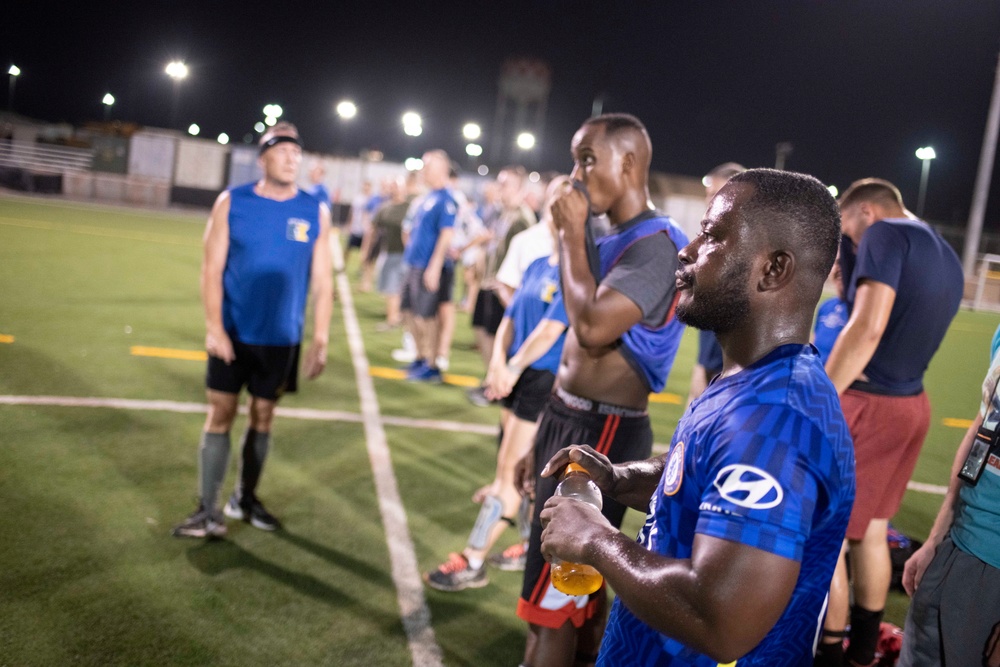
(266, 244)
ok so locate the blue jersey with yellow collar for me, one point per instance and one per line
(763, 458)
(266, 280)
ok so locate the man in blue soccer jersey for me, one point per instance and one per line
(266, 245)
(619, 297)
(747, 510)
(429, 279)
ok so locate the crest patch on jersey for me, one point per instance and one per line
(298, 230)
(673, 474)
(549, 291)
(749, 487)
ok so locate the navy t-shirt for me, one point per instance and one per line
(913, 259)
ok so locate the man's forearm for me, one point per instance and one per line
(578, 284)
(635, 482)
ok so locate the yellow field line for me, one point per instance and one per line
(957, 423)
(168, 353)
(6, 338)
(96, 231)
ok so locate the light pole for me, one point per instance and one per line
(925, 153)
(781, 153)
(178, 71)
(108, 101)
(12, 73)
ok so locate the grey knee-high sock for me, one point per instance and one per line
(255, 446)
(213, 457)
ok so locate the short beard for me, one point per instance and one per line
(722, 309)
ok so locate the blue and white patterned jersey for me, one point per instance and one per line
(763, 458)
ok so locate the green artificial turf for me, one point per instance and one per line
(89, 574)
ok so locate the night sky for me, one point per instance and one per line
(856, 87)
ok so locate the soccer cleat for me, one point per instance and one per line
(203, 523)
(456, 575)
(513, 558)
(424, 373)
(251, 510)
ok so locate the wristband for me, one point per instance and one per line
(514, 369)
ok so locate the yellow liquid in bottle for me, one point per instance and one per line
(575, 579)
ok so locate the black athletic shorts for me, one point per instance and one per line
(488, 312)
(267, 371)
(354, 241)
(530, 394)
(621, 439)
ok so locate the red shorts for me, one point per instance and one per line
(888, 432)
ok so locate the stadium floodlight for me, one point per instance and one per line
(273, 110)
(194, 130)
(270, 121)
(483, 170)
(412, 124)
(834, 190)
(223, 139)
(347, 109)
(12, 73)
(176, 70)
(925, 153)
(472, 131)
(413, 164)
(526, 141)
(259, 127)
(473, 150)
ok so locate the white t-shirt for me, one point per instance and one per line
(527, 246)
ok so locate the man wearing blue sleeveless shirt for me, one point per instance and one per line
(747, 510)
(266, 245)
(619, 297)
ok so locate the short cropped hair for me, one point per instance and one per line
(874, 190)
(799, 211)
(617, 122)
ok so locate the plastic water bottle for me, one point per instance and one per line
(576, 578)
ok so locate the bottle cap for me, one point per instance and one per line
(575, 467)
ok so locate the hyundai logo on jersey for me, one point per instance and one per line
(748, 487)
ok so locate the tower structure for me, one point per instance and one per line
(522, 98)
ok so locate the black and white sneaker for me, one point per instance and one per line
(251, 510)
(203, 523)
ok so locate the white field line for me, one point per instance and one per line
(413, 608)
(321, 415)
(288, 413)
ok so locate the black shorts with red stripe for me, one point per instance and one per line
(620, 438)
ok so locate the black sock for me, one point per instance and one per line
(254, 451)
(830, 653)
(864, 634)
